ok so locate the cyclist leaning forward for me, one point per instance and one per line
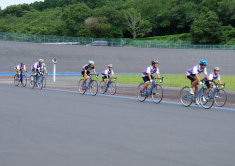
(192, 74)
(20, 67)
(86, 71)
(106, 73)
(147, 74)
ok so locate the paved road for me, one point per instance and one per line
(125, 60)
(60, 128)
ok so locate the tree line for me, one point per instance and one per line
(208, 21)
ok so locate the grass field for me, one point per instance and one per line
(172, 80)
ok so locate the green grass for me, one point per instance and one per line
(172, 80)
(183, 37)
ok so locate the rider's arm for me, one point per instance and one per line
(150, 78)
(94, 72)
(197, 77)
(158, 75)
(107, 76)
(207, 77)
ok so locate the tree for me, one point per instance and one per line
(17, 10)
(137, 26)
(207, 29)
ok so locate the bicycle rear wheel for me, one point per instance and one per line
(141, 96)
(16, 80)
(112, 88)
(93, 87)
(102, 88)
(220, 97)
(185, 97)
(206, 98)
(32, 82)
(157, 93)
(24, 81)
(80, 89)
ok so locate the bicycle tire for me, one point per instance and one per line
(93, 87)
(112, 88)
(24, 81)
(102, 88)
(157, 93)
(44, 82)
(40, 84)
(218, 95)
(80, 89)
(141, 97)
(32, 82)
(16, 80)
(206, 100)
(185, 97)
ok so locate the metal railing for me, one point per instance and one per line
(48, 39)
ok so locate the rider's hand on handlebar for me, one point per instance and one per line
(160, 80)
(151, 81)
(222, 87)
(200, 83)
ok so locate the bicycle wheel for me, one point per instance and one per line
(16, 80)
(80, 89)
(220, 97)
(157, 93)
(185, 97)
(44, 82)
(32, 82)
(102, 88)
(93, 87)
(141, 95)
(112, 88)
(40, 83)
(24, 81)
(206, 98)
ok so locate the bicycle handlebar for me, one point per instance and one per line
(159, 78)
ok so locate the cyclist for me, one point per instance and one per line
(44, 69)
(86, 71)
(20, 67)
(37, 67)
(105, 75)
(213, 76)
(147, 74)
(192, 74)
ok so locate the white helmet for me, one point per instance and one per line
(40, 60)
(217, 69)
(91, 62)
(110, 65)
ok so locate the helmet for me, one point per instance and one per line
(44, 64)
(203, 62)
(217, 68)
(22, 63)
(154, 62)
(91, 62)
(110, 65)
(40, 60)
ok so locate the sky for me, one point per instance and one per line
(5, 3)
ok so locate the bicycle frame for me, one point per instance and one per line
(195, 96)
(150, 91)
(88, 85)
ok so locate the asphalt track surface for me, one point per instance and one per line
(45, 127)
(71, 58)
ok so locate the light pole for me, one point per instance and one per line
(54, 68)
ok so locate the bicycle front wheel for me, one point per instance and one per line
(142, 95)
(206, 98)
(24, 81)
(185, 97)
(81, 89)
(112, 88)
(16, 80)
(40, 83)
(44, 82)
(102, 87)
(93, 87)
(220, 97)
(32, 82)
(157, 93)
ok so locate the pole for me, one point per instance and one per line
(54, 69)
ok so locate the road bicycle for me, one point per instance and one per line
(44, 80)
(92, 85)
(37, 80)
(155, 91)
(205, 99)
(20, 78)
(111, 86)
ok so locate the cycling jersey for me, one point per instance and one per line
(86, 67)
(37, 66)
(150, 70)
(212, 77)
(107, 71)
(196, 70)
(20, 67)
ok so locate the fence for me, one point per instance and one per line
(17, 37)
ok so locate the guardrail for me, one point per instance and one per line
(48, 39)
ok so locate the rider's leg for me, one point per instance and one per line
(196, 90)
(105, 81)
(145, 86)
(84, 81)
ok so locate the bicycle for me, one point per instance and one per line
(155, 91)
(111, 86)
(92, 86)
(20, 78)
(37, 80)
(44, 80)
(206, 100)
(219, 95)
